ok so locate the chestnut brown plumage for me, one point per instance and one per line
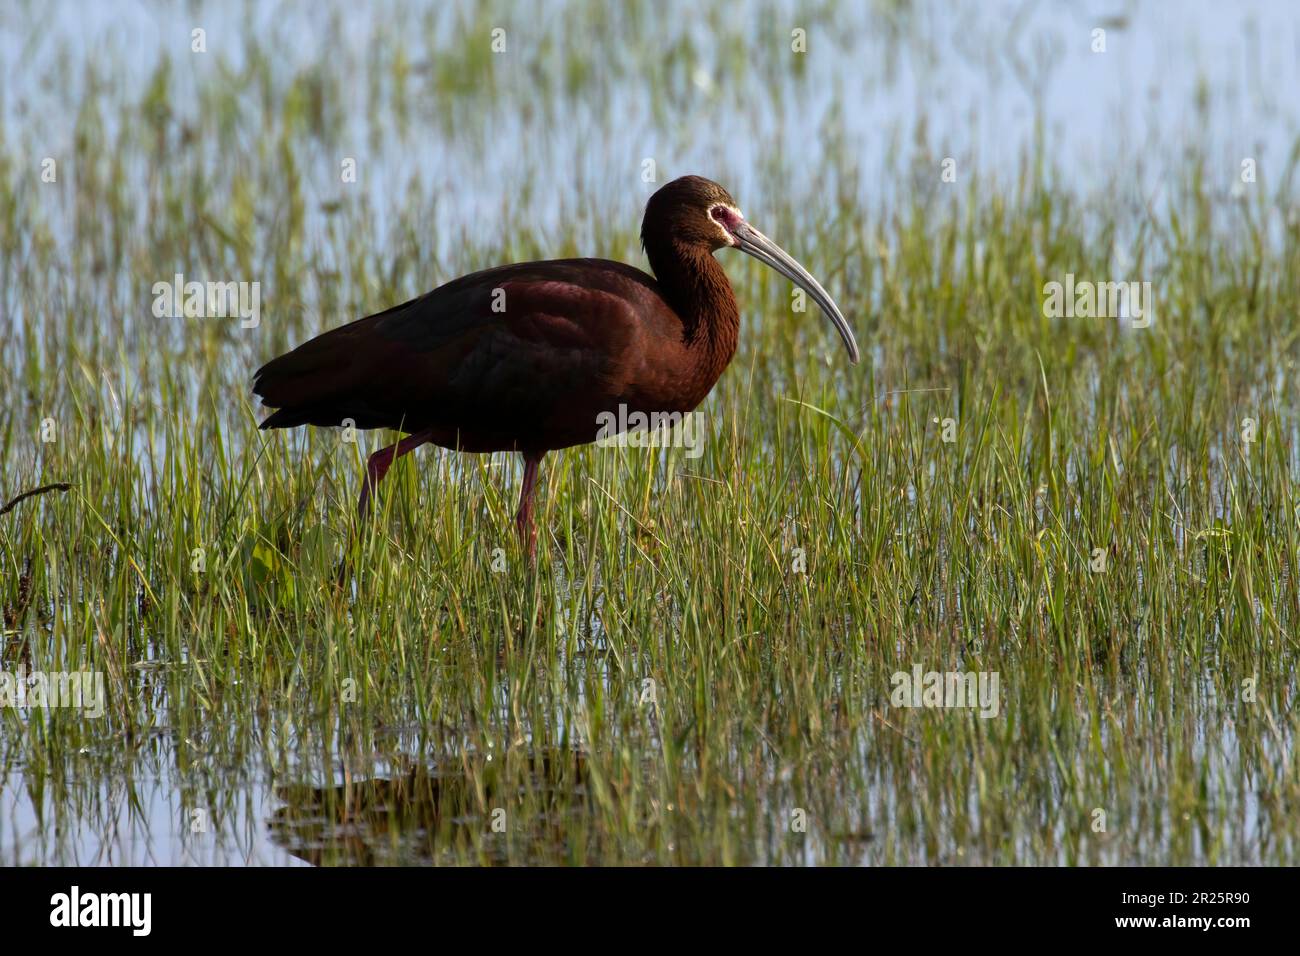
(527, 357)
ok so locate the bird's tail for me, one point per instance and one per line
(315, 384)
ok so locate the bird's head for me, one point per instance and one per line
(694, 211)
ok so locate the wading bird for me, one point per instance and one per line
(527, 357)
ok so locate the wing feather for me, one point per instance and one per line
(503, 350)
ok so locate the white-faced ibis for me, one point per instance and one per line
(527, 357)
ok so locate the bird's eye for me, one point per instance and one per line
(724, 216)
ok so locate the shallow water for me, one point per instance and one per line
(986, 85)
(980, 83)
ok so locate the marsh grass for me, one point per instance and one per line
(667, 685)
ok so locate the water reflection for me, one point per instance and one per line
(408, 817)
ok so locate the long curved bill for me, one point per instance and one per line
(750, 240)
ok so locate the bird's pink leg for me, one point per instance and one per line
(378, 464)
(524, 518)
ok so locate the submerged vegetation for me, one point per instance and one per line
(700, 667)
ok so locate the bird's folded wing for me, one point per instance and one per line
(509, 347)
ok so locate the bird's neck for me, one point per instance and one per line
(695, 285)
